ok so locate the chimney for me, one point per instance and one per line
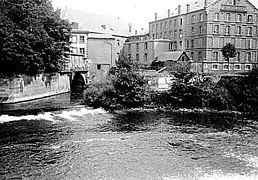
(179, 9)
(130, 27)
(135, 32)
(187, 8)
(168, 12)
(205, 3)
(156, 16)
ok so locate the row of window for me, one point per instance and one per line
(170, 35)
(237, 67)
(78, 50)
(171, 24)
(248, 57)
(228, 30)
(228, 17)
(137, 57)
(74, 39)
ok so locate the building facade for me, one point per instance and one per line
(202, 28)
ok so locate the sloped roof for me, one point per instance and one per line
(170, 56)
(194, 6)
(96, 23)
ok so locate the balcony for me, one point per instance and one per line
(233, 8)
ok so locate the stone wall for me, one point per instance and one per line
(25, 88)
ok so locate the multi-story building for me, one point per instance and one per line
(98, 38)
(143, 49)
(202, 28)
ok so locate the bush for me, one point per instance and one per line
(123, 88)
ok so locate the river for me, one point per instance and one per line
(59, 138)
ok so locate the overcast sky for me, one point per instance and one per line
(137, 12)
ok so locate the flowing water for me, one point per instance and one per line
(61, 139)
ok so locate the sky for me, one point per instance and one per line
(137, 12)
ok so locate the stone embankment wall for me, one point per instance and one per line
(25, 88)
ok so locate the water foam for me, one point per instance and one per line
(45, 116)
(49, 116)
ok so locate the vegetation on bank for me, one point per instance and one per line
(125, 88)
(33, 37)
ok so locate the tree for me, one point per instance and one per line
(33, 37)
(228, 51)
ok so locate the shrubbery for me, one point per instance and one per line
(124, 88)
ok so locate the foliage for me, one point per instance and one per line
(183, 72)
(33, 37)
(124, 88)
(228, 51)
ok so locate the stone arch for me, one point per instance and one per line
(78, 82)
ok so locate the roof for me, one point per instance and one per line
(96, 23)
(170, 56)
(194, 6)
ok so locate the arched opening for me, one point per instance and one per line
(77, 85)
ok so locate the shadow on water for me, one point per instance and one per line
(183, 122)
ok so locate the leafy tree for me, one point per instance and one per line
(33, 37)
(228, 51)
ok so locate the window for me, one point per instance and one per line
(193, 18)
(145, 57)
(237, 67)
(161, 26)
(137, 57)
(249, 31)
(187, 44)
(192, 30)
(181, 21)
(98, 66)
(238, 56)
(239, 32)
(137, 46)
(82, 51)
(175, 45)
(216, 29)
(248, 44)
(153, 36)
(170, 46)
(74, 39)
(200, 29)
(192, 55)
(201, 17)
(239, 17)
(175, 23)
(82, 39)
(248, 57)
(225, 67)
(250, 18)
(248, 67)
(145, 45)
(118, 42)
(227, 30)
(175, 34)
(200, 56)
(192, 43)
(215, 56)
(165, 25)
(170, 24)
(157, 26)
(180, 33)
(215, 67)
(227, 16)
(216, 16)
(180, 44)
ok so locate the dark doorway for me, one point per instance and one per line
(77, 86)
